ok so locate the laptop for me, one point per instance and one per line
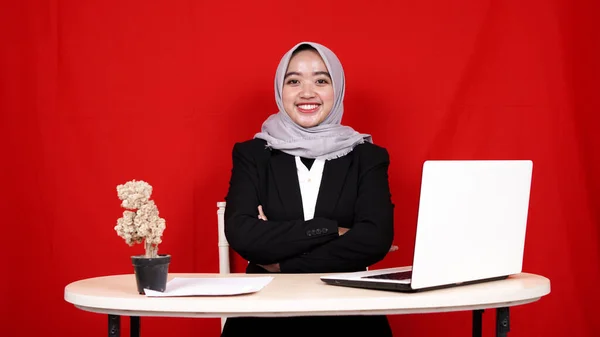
(470, 227)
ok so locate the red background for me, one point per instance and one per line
(96, 93)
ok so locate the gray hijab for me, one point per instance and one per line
(328, 140)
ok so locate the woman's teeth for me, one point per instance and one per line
(307, 107)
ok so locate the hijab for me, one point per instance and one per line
(328, 140)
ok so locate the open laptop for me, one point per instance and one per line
(470, 227)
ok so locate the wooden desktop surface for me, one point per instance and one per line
(300, 295)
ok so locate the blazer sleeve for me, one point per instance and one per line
(371, 236)
(265, 242)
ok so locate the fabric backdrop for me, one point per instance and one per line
(96, 93)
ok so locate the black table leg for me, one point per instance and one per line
(114, 326)
(134, 326)
(502, 322)
(477, 314)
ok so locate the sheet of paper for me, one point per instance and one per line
(209, 286)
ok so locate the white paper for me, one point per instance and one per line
(210, 286)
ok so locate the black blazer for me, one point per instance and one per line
(354, 193)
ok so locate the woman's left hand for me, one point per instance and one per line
(261, 213)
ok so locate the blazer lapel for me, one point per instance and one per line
(285, 173)
(334, 176)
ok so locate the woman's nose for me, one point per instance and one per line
(307, 91)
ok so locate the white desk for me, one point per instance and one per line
(117, 295)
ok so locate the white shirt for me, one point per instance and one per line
(310, 181)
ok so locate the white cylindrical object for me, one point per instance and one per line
(223, 246)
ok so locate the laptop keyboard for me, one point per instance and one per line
(403, 275)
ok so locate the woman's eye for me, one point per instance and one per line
(293, 82)
(322, 81)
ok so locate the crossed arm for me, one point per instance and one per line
(276, 267)
(283, 245)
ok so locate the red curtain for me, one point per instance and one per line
(96, 93)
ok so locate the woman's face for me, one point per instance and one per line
(307, 89)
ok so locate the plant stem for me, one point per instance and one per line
(148, 248)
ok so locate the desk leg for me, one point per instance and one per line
(477, 314)
(502, 322)
(114, 326)
(134, 326)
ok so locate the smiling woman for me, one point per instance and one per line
(308, 89)
(309, 195)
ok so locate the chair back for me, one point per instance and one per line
(224, 265)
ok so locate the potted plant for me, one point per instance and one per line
(140, 223)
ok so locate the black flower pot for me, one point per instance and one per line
(151, 272)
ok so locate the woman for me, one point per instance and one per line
(309, 195)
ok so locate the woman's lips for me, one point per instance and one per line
(308, 107)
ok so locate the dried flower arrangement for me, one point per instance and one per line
(140, 221)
